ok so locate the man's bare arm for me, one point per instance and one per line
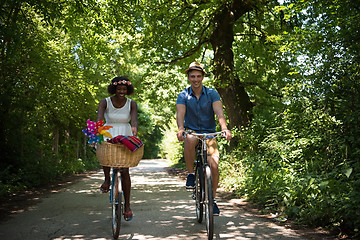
(218, 109)
(180, 118)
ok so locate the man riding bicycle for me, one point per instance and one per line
(196, 107)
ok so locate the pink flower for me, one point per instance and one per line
(122, 82)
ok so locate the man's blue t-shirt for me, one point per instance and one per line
(199, 115)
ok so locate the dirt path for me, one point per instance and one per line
(162, 208)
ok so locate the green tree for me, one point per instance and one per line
(228, 37)
(56, 59)
(300, 153)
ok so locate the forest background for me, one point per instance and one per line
(287, 71)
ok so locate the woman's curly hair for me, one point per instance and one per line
(121, 80)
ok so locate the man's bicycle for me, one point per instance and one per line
(116, 200)
(203, 191)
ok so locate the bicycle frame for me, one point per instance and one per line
(202, 139)
(115, 174)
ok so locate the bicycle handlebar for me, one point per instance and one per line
(203, 135)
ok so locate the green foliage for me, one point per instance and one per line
(304, 171)
(300, 155)
(171, 148)
(49, 76)
(56, 59)
(31, 172)
(149, 133)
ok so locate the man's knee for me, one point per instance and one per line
(213, 150)
(190, 141)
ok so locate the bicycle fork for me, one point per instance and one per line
(115, 184)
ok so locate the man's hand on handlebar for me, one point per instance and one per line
(228, 134)
(180, 135)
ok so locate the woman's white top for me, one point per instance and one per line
(118, 118)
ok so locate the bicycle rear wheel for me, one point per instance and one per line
(116, 203)
(209, 202)
(198, 193)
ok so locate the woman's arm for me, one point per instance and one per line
(101, 110)
(134, 116)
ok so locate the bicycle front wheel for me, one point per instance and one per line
(116, 204)
(209, 203)
(198, 193)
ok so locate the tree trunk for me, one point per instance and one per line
(84, 149)
(235, 98)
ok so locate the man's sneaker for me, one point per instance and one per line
(190, 181)
(216, 210)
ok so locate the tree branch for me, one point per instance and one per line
(188, 53)
(246, 84)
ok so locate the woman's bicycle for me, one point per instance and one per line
(203, 191)
(118, 156)
(116, 200)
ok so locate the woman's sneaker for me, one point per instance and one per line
(190, 181)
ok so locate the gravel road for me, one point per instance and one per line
(163, 209)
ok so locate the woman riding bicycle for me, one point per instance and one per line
(118, 111)
(196, 107)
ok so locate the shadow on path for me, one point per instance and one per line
(162, 207)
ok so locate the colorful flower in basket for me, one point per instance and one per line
(96, 131)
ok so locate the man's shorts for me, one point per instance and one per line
(212, 148)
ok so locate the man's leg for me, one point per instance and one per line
(189, 155)
(213, 160)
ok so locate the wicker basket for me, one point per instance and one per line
(118, 155)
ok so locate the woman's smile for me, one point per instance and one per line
(121, 90)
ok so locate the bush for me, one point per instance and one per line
(171, 148)
(34, 172)
(298, 161)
